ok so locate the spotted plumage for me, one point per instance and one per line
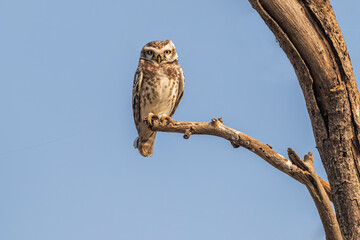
(158, 88)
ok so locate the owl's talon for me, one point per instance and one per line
(165, 119)
(151, 118)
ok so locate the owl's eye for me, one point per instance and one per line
(150, 52)
(167, 52)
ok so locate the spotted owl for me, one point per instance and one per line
(157, 90)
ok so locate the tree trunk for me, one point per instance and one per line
(308, 32)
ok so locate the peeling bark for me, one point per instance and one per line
(310, 36)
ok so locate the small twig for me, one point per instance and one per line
(317, 191)
(297, 160)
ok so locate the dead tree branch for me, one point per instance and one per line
(302, 171)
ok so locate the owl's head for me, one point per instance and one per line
(159, 52)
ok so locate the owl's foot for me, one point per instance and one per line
(151, 118)
(165, 119)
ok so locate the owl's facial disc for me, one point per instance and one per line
(159, 52)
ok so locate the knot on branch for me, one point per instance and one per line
(188, 133)
(235, 144)
(215, 122)
(269, 146)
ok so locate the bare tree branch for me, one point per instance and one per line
(315, 187)
(302, 171)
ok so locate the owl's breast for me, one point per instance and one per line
(160, 91)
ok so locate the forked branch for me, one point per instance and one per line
(302, 171)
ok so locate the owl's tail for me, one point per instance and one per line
(145, 145)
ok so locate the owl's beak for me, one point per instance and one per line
(159, 58)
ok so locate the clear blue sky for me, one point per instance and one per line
(67, 166)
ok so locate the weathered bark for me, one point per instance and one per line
(302, 171)
(308, 32)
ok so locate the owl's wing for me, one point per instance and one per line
(136, 94)
(180, 92)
